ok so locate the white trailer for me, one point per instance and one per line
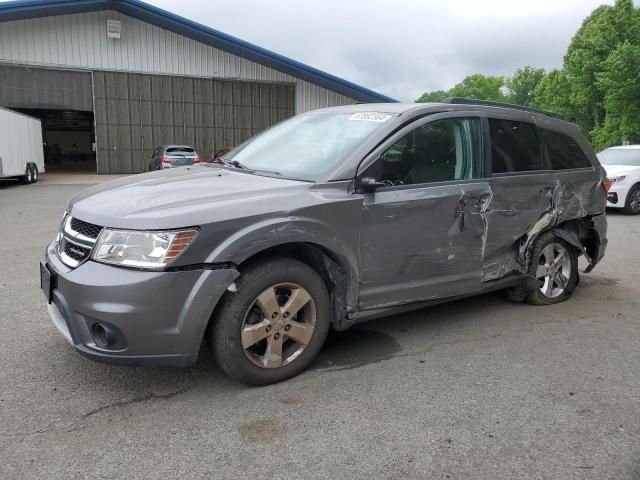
(21, 148)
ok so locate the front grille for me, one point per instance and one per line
(76, 241)
(78, 253)
(85, 228)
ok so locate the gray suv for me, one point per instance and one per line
(327, 219)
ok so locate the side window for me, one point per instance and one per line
(564, 152)
(515, 146)
(440, 151)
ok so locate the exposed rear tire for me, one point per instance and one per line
(34, 173)
(274, 325)
(632, 202)
(554, 265)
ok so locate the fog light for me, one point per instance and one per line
(102, 335)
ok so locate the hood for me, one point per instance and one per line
(179, 198)
(613, 170)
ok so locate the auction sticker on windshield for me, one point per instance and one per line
(370, 116)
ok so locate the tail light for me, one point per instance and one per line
(196, 160)
(165, 159)
(606, 184)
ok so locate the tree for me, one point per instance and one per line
(435, 96)
(551, 93)
(480, 87)
(620, 80)
(521, 87)
(599, 36)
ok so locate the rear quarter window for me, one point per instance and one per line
(515, 146)
(564, 151)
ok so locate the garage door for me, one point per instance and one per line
(135, 113)
(45, 89)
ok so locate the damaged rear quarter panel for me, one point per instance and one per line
(525, 205)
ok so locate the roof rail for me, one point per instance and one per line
(488, 103)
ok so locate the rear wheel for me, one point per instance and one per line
(632, 203)
(274, 325)
(554, 265)
(27, 178)
(34, 173)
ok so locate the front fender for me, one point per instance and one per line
(270, 233)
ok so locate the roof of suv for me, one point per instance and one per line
(515, 112)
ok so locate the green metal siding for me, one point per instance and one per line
(135, 113)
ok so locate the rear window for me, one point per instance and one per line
(180, 150)
(515, 146)
(564, 152)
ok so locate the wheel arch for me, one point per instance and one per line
(336, 271)
(584, 235)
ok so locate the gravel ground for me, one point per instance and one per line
(479, 388)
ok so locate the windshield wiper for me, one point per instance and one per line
(233, 163)
(237, 164)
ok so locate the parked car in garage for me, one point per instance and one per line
(330, 218)
(623, 171)
(169, 156)
(218, 154)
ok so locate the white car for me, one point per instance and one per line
(623, 171)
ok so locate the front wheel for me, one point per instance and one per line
(554, 265)
(632, 203)
(274, 325)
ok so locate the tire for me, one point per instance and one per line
(34, 173)
(27, 178)
(632, 203)
(249, 329)
(560, 282)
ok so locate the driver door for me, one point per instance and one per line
(422, 231)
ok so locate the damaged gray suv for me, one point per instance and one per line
(328, 219)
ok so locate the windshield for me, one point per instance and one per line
(620, 156)
(308, 145)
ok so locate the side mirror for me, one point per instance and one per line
(368, 185)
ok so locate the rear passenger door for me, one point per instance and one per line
(521, 188)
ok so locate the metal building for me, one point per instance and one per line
(112, 79)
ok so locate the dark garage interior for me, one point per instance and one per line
(68, 139)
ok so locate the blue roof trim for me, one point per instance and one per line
(24, 9)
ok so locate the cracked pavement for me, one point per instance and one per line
(479, 388)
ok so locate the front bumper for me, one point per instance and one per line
(158, 318)
(617, 195)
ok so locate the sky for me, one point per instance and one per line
(401, 48)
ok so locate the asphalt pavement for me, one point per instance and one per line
(476, 389)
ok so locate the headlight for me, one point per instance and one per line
(619, 178)
(140, 249)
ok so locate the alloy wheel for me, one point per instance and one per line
(554, 270)
(278, 325)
